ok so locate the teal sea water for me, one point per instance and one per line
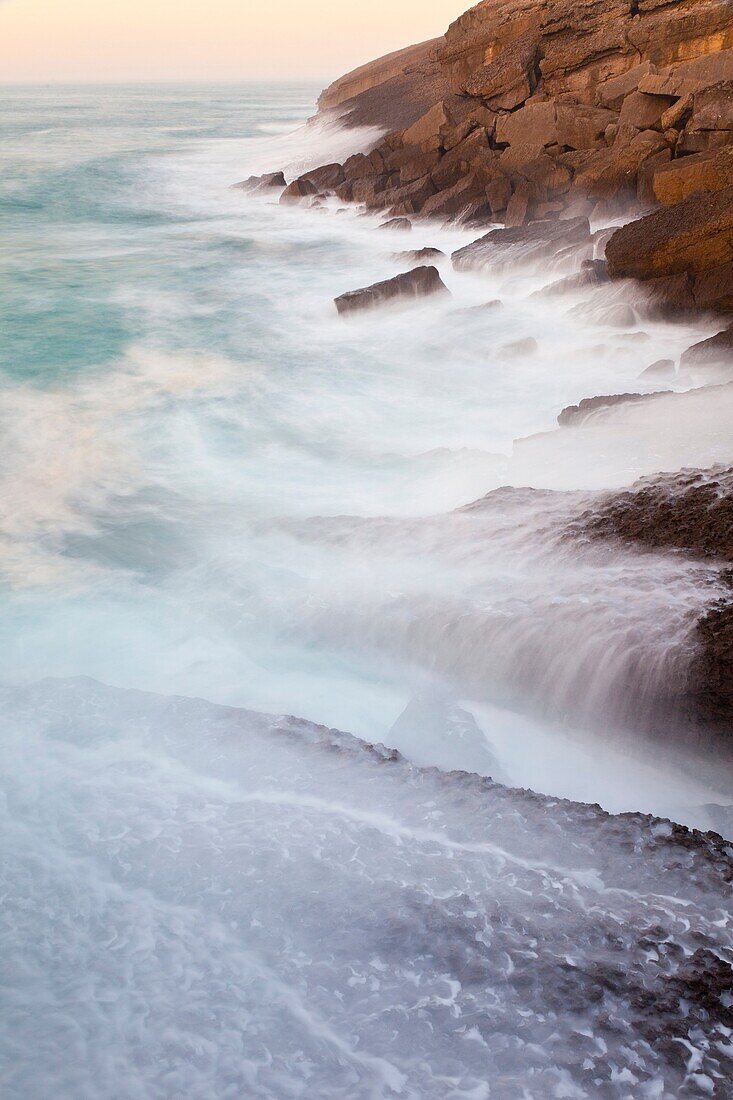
(210, 485)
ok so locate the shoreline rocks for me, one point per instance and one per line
(421, 282)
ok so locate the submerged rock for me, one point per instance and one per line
(433, 730)
(416, 255)
(590, 406)
(716, 351)
(403, 224)
(418, 283)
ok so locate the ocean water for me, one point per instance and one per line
(211, 485)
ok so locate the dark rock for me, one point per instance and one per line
(397, 223)
(416, 255)
(262, 183)
(420, 282)
(716, 351)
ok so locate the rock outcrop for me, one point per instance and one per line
(529, 110)
(418, 283)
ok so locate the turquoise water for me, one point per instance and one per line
(185, 425)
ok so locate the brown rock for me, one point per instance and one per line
(643, 111)
(358, 167)
(498, 193)
(416, 255)
(675, 117)
(533, 124)
(516, 211)
(702, 172)
(695, 235)
(668, 297)
(409, 199)
(327, 178)
(612, 173)
(613, 91)
(366, 189)
(713, 289)
(647, 173)
(511, 77)
(430, 124)
(298, 190)
(583, 127)
(418, 283)
(687, 77)
(713, 107)
(458, 201)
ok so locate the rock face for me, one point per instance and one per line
(692, 240)
(418, 283)
(528, 109)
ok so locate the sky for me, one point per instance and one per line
(86, 40)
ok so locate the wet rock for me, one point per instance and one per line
(573, 415)
(484, 307)
(716, 351)
(521, 244)
(433, 729)
(298, 190)
(262, 183)
(417, 255)
(418, 283)
(662, 368)
(403, 224)
(593, 273)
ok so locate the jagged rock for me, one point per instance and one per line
(262, 183)
(430, 124)
(418, 283)
(465, 198)
(297, 190)
(612, 173)
(527, 243)
(677, 180)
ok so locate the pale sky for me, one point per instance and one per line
(81, 40)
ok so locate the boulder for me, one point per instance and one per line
(326, 178)
(612, 91)
(403, 224)
(713, 107)
(696, 235)
(298, 190)
(262, 183)
(430, 125)
(533, 124)
(522, 244)
(457, 201)
(583, 127)
(675, 117)
(644, 111)
(680, 178)
(418, 283)
(612, 174)
(415, 255)
(716, 351)
(593, 273)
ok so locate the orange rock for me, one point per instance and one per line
(703, 172)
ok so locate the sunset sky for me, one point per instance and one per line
(52, 40)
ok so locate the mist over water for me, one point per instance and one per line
(212, 486)
(187, 423)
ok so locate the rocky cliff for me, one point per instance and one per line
(528, 110)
